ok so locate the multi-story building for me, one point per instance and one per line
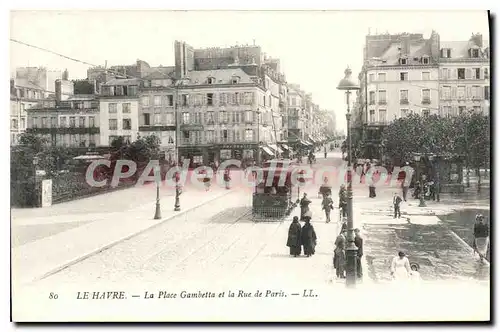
(119, 110)
(400, 76)
(235, 92)
(23, 96)
(157, 111)
(406, 73)
(66, 119)
(223, 114)
(41, 77)
(464, 80)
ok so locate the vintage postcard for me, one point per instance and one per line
(250, 166)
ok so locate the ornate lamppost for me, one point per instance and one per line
(177, 206)
(347, 85)
(258, 136)
(35, 191)
(158, 208)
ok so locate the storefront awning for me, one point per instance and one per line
(275, 148)
(267, 150)
(284, 146)
(308, 143)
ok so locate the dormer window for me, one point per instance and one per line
(446, 53)
(403, 61)
(211, 80)
(425, 60)
(474, 53)
(235, 80)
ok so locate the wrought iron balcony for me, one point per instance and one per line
(426, 101)
(404, 101)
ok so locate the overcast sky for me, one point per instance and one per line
(314, 47)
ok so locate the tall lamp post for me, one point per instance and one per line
(258, 136)
(347, 85)
(158, 208)
(35, 193)
(177, 206)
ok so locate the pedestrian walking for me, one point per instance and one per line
(294, 237)
(308, 237)
(415, 275)
(326, 153)
(206, 180)
(339, 258)
(358, 242)
(343, 200)
(304, 206)
(400, 267)
(481, 237)
(327, 206)
(227, 178)
(405, 183)
(396, 201)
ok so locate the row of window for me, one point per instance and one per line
(461, 92)
(113, 108)
(64, 122)
(473, 53)
(212, 136)
(75, 140)
(126, 124)
(382, 96)
(119, 90)
(201, 99)
(223, 117)
(465, 73)
(29, 93)
(126, 138)
(404, 112)
(446, 73)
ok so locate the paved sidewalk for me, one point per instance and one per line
(51, 254)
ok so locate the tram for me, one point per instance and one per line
(272, 198)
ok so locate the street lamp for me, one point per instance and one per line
(420, 181)
(35, 196)
(158, 209)
(177, 206)
(258, 136)
(347, 85)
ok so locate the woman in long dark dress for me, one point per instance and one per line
(294, 239)
(304, 206)
(308, 237)
(339, 255)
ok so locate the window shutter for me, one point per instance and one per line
(468, 73)
(480, 92)
(454, 92)
(454, 110)
(254, 133)
(468, 93)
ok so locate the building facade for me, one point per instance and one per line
(66, 120)
(223, 114)
(464, 80)
(23, 96)
(157, 111)
(41, 77)
(119, 110)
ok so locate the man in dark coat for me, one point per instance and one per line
(343, 200)
(308, 238)
(294, 237)
(358, 242)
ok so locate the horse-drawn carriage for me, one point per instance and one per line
(272, 198)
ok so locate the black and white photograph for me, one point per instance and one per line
(250, 165)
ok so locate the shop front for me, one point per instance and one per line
(246, 153)
(195, 156)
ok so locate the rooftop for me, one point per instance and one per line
(124, 81)
(460, 49)
(222, 76)
(24, 83)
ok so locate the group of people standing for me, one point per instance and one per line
(339, 254)
(301, 236)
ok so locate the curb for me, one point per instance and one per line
(113, 243)
(466, 246)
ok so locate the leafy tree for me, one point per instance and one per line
(33, 142)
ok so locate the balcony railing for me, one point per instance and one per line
(382, 102)
(426, 101)
(372, 102)
(477, 98)
(404, 101)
